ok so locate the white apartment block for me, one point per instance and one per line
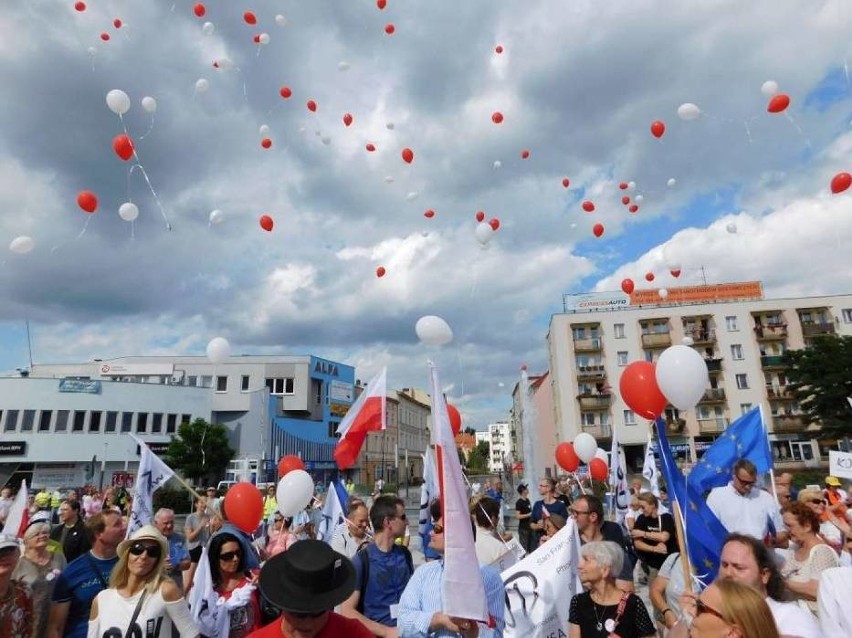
(499, 445)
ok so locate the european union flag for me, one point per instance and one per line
(745, 438)
(705, 534)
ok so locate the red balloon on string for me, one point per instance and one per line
(80, 6)
(116, 23)
(598, 230)
(480, 216)
(840, 182)
(624, 186)
(634, 208)
(649, 276)
(407, 155)
(588, 206)
(312, 106)
(266, 223)
(256, 38)
(88, 201)
(389, 28)
(497, 117)
(675, 272)
(499, 49)
(105, 37)
(380, 271)
(627, 286)
(625, 200)
(249, 17)
(598, 469)
(566, 457)
(494, 223)
(199, 10)
(371, 147)
(639, 390)
(288, 464)
(381, 4)
(285, 92)
(525, 154)
(429, 214)
(778, 103)
(347, 119)
(244, 506)
(123, 146)
(658, 128)
(455, 419)
(566, 182)
(266, 142)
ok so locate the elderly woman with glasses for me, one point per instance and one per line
(140, 595)
(604, 610)
(39, 568)
(233, 582)
(731, 609)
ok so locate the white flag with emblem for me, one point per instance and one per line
(153, 474)
(649, 469)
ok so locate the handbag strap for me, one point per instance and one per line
(129, 632)
(622, 605)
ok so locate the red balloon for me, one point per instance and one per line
(639, 390)
(649, 276)
(566, 182)
(627, 286)
(288, 464)
(624, 186)
(380, 271)
(455, 419)
(88, 201)
(249, 17)
(116, 23)
(285, 92)
(80, 6)
(389, 28)
(566, 457)
(199, 10)
(429, 214)
(675, 272)
(105, 37)
(347, 119)
(598, 469)
(312, 106)
(499, 49)
(598, 230)
(480, 216)
(494, 223)
(634, 208)
(840, 182)
(778, 103)
(407, 155)
(658, 128)
(381, 4)
(625, 200)
(266, 142)
(525, 154)
(123, 146)
(256, 38)
(497, 117)
(371, 147)
(588, 206)
(244, 506)
(266, 223)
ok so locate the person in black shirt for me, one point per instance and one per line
(523, 509)
(653, 535)
(70, 534)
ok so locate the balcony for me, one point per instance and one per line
(599, 431)
(771, 332)
(713, 365)
(713, 395)
(594, 401)
(675, 426)
(788, 423)
(816, 329)
(657, 340)
(779, 393)
(715, 425)
(587, 345)
(596, 371)
(700, 336)
(772, 362)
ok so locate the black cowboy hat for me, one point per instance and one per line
(310, 577)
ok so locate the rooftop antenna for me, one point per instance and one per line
(29, 344)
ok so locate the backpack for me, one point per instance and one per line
(364, 558)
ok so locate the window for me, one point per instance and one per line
(587, 418)
(221, 384)
(192, 381)
(95, 422)
(62, 420)
(742, 381)
(745, 407)
(649, 355)
(11, 421)
(44, 420)
(28, 421)
(847, 315)
(207, 382)
(142, 422)
(731, 323)
(171, 424)
(112, 418)
(332, 429)
(618, 330)
(280, 385)
(629, 417)
(79, 422)
(622, 358)
(244, 383)
(579, 333)
(157, 422)
(185, 418)
(736, 352)
(126, 421)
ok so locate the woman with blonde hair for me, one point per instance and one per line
(140, 595)
(38, 567)
(728, 608)
(832, 528)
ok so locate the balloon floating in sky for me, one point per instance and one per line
(589, 206)
(429, 214)
(280, 20)
(498, 49)
(731, 228)
(778, 103)
(80, 6)
(250, 18)
(497, 117)
(627, 286)
(21, 245)
(433, 330)
(216, 217)
(675, 272)
(264, 130)
(343, 65)
(623, 186)
(123, 146)
(663, 293)
(118, 101)
(380, 271)
(688, 111)
(566, 182)
(117, 23)
(625, 200)
(598, 230)
(497, 164)
(480, 216)
(494, 223)
(371, 148)
(201, 85)
(407, 155)
(285, 92)
(266, 223)
(634, 208)
(347, 119)
(149, 104)
(199, 10)
(672, 182)
(389, 28)
(769, 88)
(410, 197)
(312, 106)
(208, 28)
(105, 37)
(840, 182)
(381, 4)
(525, 154)
(266, 142)
(128, 211)
(483, 233)
(658, 128)
(218, 349)
(649, 276)
(87, 201)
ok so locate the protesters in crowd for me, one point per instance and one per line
(653, 535)
(351, 535)
(39, 568)
(279, 536)
(523, 512)
(178, 560)
(270, 505)
(785, 481)
(809, 554)
(547, 491)
(633, 511)
(729, 608)
(832, 528)
(488, 545)
(70, 534)
(235, 583)
(588, 513)
(16, 602)
(196, 531)
(6, 501)
(552, 525)
(141, 596)
(742, 508)
(665, 591)
(835, 496)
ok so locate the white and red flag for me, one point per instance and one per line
(367, 414)
(19, 516)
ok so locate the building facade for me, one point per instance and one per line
(499, 447)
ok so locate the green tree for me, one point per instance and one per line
(477, 461)
(200, 450)
(819, 378)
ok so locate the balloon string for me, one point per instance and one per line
(797, 127)
(748, 131)
(151, 188)
(150, 128)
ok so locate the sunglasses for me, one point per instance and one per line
(153, 551)
(577, 512)
(437, 528)
(818, 501)
(229, 556)
(703, 608)
(748, 483)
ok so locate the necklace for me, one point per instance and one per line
(600, 619)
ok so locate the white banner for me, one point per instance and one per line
(840, 464)
(540, 587)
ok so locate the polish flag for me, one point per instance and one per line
(19, 516)
(367, 414)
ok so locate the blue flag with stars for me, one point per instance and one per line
(745, 438)
(704, 533)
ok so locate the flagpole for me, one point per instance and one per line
(681, 544)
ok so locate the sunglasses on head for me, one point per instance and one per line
(703, 608)
(153, 551)
(227, 556)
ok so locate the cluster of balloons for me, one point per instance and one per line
(433, 330)
(484, 231)
(584, 449)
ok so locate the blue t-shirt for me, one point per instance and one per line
(78, 584)
(388, 575)
(556, 507)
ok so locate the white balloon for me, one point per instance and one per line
(325, 139)
(216, 217)
(92, 51)
(672, 182)
(687, 341)
(22, 245)
(682, 376)
(226, 64)
(639, 199)
(343, 65)
(294, 492)
(688, 111)
(601, 454)
(731, 228)
(218, 349)
(263, 38)
(201, 85)
(497, 164)
(389, 126)
(149, 104)
(483, 233)
(128, 211)
(433, 331)
(264, 130)
(280, 20)
(631, 186)
(388, 179)
(663, 293)
(585, 446)
(412, 196)
(208, 28)
(769, 88)
(118, 101)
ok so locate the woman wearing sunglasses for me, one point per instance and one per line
(141, 598)
(236, 584)
(728, 609)
(831, 527)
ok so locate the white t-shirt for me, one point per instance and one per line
(488, 547)
(749, 514)
(156, 617)
(792, 620)
(833, 596)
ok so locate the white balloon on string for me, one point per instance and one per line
(118, 101)
(22, 245)
(128, 211)
(149, 104)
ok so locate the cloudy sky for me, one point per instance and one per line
(577, 84)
